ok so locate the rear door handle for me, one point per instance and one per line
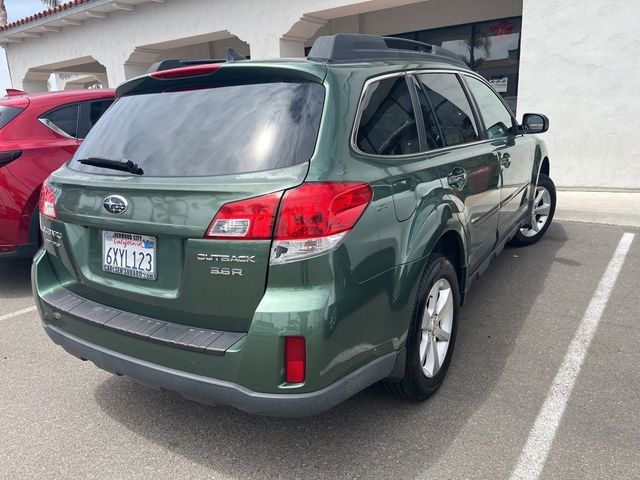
(457, 178)
(505, 160)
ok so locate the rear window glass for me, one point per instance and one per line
(215, 131)
(7, 114)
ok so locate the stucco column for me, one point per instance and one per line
(115, 69)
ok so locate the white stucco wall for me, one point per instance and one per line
(579, 61)
(580, 65)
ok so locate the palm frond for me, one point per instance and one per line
(51, 3)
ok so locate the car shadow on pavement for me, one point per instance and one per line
(372, 435)
(15, 278)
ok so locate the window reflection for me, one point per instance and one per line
(490, 48)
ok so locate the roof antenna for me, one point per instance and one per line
(233, 56)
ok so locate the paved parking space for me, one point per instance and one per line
(62, 418)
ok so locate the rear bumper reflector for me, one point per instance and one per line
(213, 342)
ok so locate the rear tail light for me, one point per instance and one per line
(48, 201)
(312, 220)
(295, 359)
(315, 217)
(250, 219)
(8, 157)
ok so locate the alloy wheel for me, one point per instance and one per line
(539, 212)
(437, 323)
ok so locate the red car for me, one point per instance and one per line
(38, 133)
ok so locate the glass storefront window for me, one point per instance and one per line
(490, 48)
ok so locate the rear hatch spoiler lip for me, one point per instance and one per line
(260, 71)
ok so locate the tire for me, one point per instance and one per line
(544, 201)
(421, 378)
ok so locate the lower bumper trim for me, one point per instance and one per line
(217, 392)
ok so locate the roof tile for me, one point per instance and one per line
(45, 13)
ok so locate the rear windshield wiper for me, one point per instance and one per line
(122, 165)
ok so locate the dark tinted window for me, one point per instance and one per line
(497, 119)
(451, 107)
(90, 113)
(388, 124)
(214, 131)
(7, 114)
(63, 120)
(432, 133)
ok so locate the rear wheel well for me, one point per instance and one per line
(544, 168)
(450, 245)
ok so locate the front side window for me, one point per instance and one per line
(451, 107)
(388, 123)
(63, 120)
(497, 119)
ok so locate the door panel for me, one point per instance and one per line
(478, 194)
(516, 164)
(511, 147)
(470, 172)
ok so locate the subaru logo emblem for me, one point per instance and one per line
(115, 204)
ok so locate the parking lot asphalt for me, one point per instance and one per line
(63, 418)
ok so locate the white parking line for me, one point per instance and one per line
(534, 454)
(16, 313)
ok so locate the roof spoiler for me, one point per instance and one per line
(232, 56)
(14, 92)
(356, 46)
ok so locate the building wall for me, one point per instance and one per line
(578, 58)
(580, 66)
(422, 16)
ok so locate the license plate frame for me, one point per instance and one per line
(129, 254)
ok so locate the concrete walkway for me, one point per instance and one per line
(611, 208)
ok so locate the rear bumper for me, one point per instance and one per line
(216, 392)
(27, 250)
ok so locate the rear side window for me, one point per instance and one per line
(7, 114)
(451, 107)
(214, 131)
(388, 123)
(497, 119)
(90, 113)
(63, 120)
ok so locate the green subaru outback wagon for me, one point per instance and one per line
(278, 235)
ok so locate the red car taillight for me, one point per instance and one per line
(250, 219)
(313, 218)
(295, 359)
(48, 201)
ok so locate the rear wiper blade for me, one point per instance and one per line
(122, 165)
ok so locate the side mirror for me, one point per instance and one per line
(535, 123)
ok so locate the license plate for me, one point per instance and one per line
(129, 254)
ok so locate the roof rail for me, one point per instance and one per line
(357, 46)
(232, 56)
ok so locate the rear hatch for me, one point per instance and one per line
(138, 241)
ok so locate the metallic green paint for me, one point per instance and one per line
(352, 305)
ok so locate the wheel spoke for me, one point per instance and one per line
(443, 299)
(535, 225)
(539, 195)
(436, 359)
(430, 309)
(543, 209)
(442, 334)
